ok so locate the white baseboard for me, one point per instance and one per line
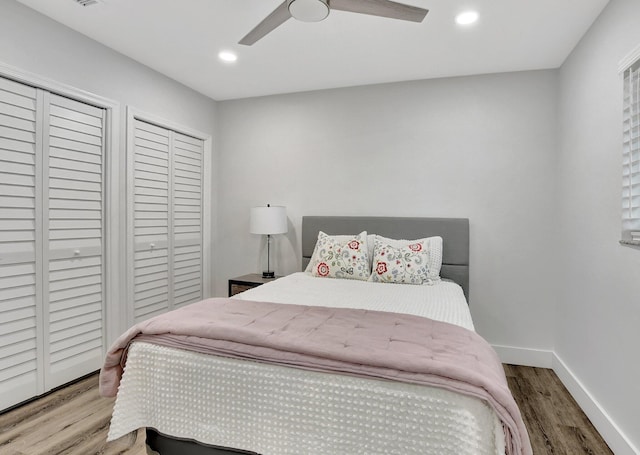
(611, 433)
(526, 357)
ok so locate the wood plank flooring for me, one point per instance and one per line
(556, 424)
(75, 420)
(71, 421)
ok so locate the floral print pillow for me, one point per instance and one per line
(341, 258)
(407, 264)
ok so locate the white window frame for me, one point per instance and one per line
(630, 70)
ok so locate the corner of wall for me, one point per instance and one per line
(538, 358)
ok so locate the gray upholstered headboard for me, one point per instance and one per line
(454, 232)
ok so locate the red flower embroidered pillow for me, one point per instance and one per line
(407, 261)
(339, 257)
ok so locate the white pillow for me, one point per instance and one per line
(345, 238)
(407, 261)
(341, 257)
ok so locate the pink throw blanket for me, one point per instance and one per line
(365, 343)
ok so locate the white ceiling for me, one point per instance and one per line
(181, 38)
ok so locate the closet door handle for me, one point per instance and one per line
(76, 252)
(152, 245)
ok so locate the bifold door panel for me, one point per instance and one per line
(166, 209)
(51, 240)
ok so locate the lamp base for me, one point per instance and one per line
(268, 274)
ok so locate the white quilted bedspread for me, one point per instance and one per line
(443, 301)
(276, 410)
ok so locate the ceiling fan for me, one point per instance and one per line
(317, 10)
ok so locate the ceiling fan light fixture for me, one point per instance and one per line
(309, 10)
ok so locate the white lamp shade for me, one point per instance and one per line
(268, 220)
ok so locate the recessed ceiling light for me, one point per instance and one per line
(227, 56)
(467, 18)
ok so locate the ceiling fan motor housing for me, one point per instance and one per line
(309, 10)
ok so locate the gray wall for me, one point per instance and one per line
(598, 316)
(479, 147)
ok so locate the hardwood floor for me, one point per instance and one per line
(71, 421)
(555, 422)
(75, 420)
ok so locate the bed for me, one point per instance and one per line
(195, 403)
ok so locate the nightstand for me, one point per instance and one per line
(244, 282)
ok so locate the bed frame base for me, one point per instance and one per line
(168, 445)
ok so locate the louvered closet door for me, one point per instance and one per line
(167, 220)
(151, 221)
(75, 285)
(20, 297)
(51, 247)
(187, 219)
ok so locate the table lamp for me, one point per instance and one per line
(268, 221)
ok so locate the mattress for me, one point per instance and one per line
(275, 410)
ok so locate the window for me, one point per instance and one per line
(631, 153)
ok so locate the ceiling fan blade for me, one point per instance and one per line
(384, 8)
(278, 17)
